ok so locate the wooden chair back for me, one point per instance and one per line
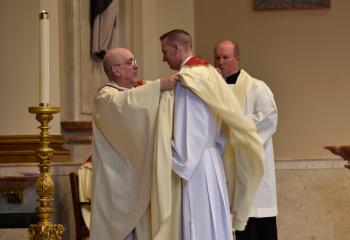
(81, 230)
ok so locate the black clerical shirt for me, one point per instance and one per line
(233, 78)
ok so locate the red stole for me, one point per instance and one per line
(195, 61)
(138, 83)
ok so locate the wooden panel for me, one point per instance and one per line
(76, 132)
(22, 149)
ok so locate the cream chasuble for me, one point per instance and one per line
(166, 185)
(123, 144)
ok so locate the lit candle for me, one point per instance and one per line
(44, 58)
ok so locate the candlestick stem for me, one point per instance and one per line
(45, 229)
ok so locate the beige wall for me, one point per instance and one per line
(19, 66)
(151, 19)
(302, 55)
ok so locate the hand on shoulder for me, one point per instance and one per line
(169, 82)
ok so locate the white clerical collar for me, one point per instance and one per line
(184, 62)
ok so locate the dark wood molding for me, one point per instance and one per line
(12, 187)
(22, 148)
(266, 5)
(78, 139)
(77, 132)
(76, 126)
(342, 151)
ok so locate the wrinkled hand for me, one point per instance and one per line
(169, 82)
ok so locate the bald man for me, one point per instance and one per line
(124, 123)
(259, 106)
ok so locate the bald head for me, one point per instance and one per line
(115, 56)
(120, 66)
(228, 44)
(226, 57)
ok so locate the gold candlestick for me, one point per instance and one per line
(45, 229)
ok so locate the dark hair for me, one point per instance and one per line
(177, 35)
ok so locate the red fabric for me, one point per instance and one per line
(138, 83)
(195, 60)
(89, 159)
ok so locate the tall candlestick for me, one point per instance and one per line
(44, 58)
(44, 229)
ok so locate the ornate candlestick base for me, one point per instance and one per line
(45, 229)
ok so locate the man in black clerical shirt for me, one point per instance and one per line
(258, 105)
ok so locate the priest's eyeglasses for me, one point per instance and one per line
(131, 62)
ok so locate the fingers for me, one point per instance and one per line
(169, 82)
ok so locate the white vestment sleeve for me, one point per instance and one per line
(264, 113)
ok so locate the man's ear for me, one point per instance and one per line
(176, 46)
(115, 71)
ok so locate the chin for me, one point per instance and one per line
(174, 68)
(225, 75)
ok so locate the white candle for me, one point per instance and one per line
(44, 58)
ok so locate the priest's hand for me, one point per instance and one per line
(169, 82)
